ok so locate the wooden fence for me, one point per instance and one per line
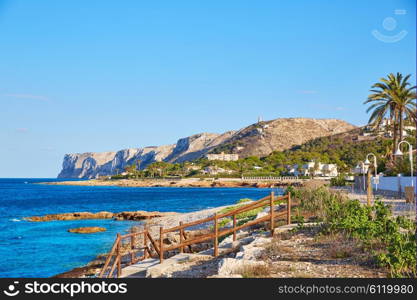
(116, 254)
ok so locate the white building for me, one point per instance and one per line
(314, 169)
(329, 170)
(223, 156)
(214, 170)
(385, 129)
(293, 170)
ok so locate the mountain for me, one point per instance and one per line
(93, 164)
(258, 139)
(262, 138)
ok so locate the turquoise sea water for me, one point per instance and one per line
(43, 249)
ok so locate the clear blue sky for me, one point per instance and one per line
(78, 76)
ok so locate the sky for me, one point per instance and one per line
(80, 76)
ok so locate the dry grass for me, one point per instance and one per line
(275, 250)
(338, 246)
(255, 271)
(286, 235)
(341, 251)
(283, 268)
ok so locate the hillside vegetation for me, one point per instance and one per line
(343, 149)
(259, 139)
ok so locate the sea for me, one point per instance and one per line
(44, 249)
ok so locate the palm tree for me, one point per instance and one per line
(393, 97)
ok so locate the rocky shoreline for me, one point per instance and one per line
(292, 252)
(153, 224)
(189, 182)
(120, 216)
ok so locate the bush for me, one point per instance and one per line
(242, 217)
(338, 181)
(223, 222)
(391, 239)
(317, 200)
(244, 200)
(255, 271)
(119, 176)
(290, 190)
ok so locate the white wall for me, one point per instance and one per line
(391, 183)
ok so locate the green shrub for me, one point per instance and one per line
(244, 200)
(290, 190)
(223, 222)
(338, 181)
(317, 201)
(391, 239)
(242, 217)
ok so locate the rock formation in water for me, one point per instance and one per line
(120, 216)
(93, 229)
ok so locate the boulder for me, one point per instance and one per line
(232, 266)
(141, 215)
(171, 238)
(253, 250)
(87, 229)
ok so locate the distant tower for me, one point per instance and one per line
(260, 119)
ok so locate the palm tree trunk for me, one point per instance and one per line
(395, 137)
(401, 124)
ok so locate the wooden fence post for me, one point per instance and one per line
(234, 227)
(216, 233)
(161, 244)
(271, 212)
(289, 208)
(132, 245)
(145, 242)
(119, 256)
(181, 238)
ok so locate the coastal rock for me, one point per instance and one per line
(254, 250)
(71, 216)
(87, 229)
(171, 238)
(141, 215)
(126, 215)
(264, 185)
(232, 266)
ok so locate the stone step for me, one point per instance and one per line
(138, 270)
(159, 270)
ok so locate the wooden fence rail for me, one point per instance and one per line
(117, 253)
(160, 249)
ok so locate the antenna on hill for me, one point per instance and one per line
(260, 119)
